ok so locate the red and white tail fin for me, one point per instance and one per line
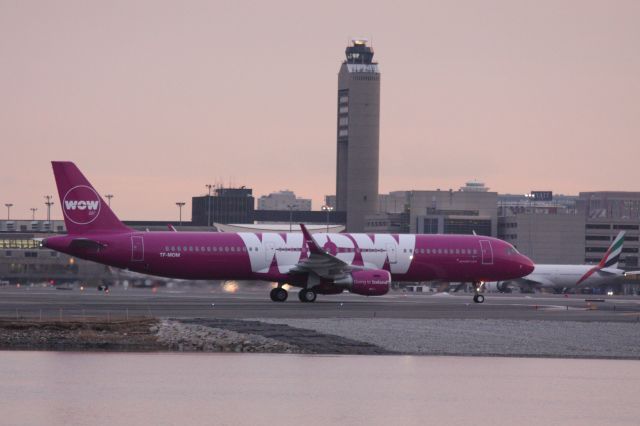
(83, 209)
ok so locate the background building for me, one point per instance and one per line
(453, 212)
(227, 205)
(607, 213)
(283, 200)
(32, 226)
(546, 233)
(436, 212)
(23, 261)
(358, 135)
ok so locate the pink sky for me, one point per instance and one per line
(154, 99)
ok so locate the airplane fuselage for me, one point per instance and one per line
(270, 256)
(568, 276)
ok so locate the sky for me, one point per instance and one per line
(155, 99)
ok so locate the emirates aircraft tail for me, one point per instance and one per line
(83, 209)
(612, 256)
(609, 260)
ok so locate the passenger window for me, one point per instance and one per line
(179, 248)
(226, 248)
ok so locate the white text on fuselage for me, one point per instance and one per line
(169, 254)
(374, 252)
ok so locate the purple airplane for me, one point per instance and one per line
(364, 264)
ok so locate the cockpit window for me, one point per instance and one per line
(511, 251)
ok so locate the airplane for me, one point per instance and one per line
(573, 276)
(324, 263)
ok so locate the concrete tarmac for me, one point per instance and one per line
(47, 303)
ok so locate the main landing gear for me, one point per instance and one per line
(278, 294)
(477, 297)
(307, 295)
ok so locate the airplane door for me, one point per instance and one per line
(487, 252)
(137, 248)
(392, 254)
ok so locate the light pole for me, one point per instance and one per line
(8, 206)
(33, 213)
(290, 207)
(180, 204)
(108, 197)
(327, 209)
(48, 203)
(209, 186)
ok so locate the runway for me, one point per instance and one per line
(34, 302)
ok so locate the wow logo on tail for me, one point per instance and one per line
(81, 205)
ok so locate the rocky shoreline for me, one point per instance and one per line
(79, 335)
(330, 336)
(195, 335)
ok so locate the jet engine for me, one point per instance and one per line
(499, 286)
(370, 282)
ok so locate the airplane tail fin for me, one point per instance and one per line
(612, 256)
(84, 210)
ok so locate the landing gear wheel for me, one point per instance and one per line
(307, 296)
(278, 294)
(478, 298)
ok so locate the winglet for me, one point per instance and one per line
(171, 228)
(311, 243)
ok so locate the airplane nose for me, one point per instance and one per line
(526, 265)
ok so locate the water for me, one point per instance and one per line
(62, 388)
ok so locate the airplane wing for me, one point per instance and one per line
(533, 280)
(320, 262)
(607, 272)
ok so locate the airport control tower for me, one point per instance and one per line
(358, 135)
